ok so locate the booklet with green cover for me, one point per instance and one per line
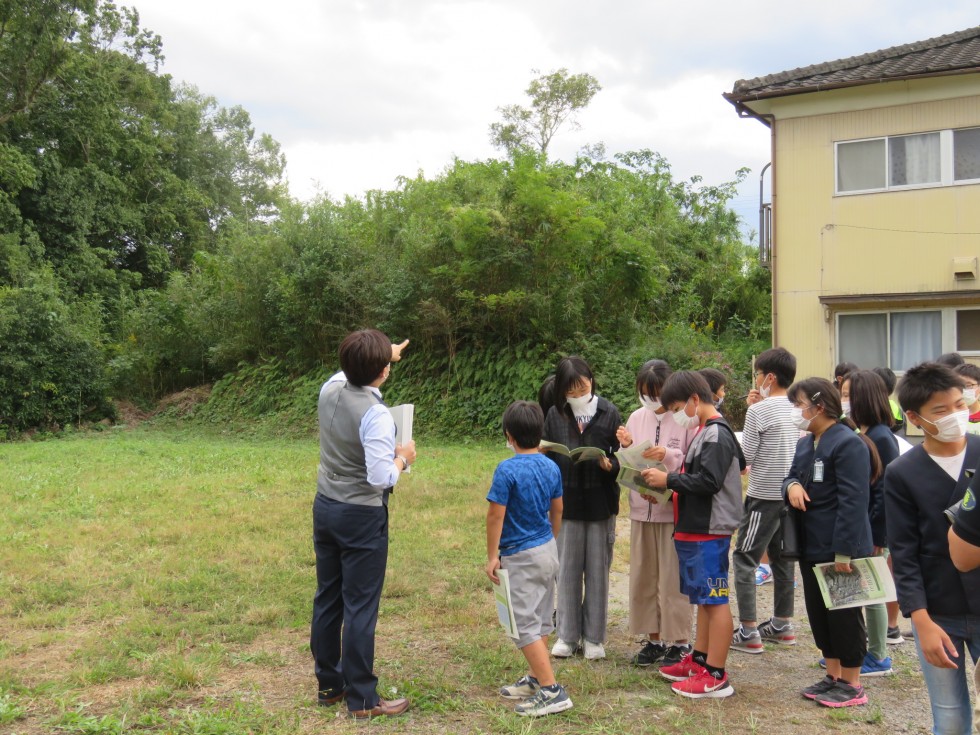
(631, 466)
(869, 582)
(579, 454)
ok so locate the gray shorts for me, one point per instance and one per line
(532, 590)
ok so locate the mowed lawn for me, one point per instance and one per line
(160, 581)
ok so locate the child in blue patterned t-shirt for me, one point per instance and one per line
(525, 506)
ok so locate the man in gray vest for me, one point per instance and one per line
(359, 465)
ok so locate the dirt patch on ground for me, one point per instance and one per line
(185, 402)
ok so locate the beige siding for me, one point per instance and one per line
(889, 242)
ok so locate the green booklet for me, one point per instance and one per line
(631, 466)
(578, 454)
(868, 583)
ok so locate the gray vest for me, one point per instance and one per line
(342, 474)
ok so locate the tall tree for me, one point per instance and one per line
(555, 98)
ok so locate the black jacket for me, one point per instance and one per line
(590, 493)
(709, 490)
(887, 446)
(836, 518)
(917, 491)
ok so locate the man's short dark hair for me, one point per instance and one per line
(950, 359)
(716, 378)
(920, 382)
(524, 421)
(684, 384)
(781, 363)
(869, 399)
(888, 375)
(364, 355)
(968, 370)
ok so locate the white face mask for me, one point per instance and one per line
(579, 404)
(845, 407)
(719, 402)
(970, 396)
(651, 404)
(796, 416)
(765, 390)
(949, 428)
(683, 420)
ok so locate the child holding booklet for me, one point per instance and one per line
(707, 502)
(658, 609)
(523, 519)
(580, 418)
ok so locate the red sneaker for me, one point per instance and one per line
(704, 686)
(683, 669)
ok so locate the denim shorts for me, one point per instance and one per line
(704, 570)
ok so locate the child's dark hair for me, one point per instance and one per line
(869, 399)
(546, 394)
(842, 369)
(716, 378)
(821, 392)
(651, 378)
(524, 421)
(968, 370)
(781, 363)
(682, 385)
(571, 371)
(950, 359)
(920, 382)
(888, 375)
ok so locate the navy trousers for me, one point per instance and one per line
(351, 545)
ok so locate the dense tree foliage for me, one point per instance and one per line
(147, 244)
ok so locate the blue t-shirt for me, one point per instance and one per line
(525, 484)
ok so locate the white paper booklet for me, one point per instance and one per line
(404, 416)
(869, 582)
(505, 606)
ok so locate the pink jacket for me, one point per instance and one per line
(643, 424)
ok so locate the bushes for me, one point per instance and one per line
(51, 367)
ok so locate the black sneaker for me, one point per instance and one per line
(894, 636)
(821, 687)
(651, 653)
(843, 695)
(675, 653)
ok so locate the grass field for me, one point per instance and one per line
(161, 581)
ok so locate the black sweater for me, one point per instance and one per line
(590, 493)
(917, 491)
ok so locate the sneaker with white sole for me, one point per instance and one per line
(563, 649)
(843, 695)
(894, 636)
(526, 686)
(874, 667)
(594, 651)
(771, 632)
(683, 669)
(704, 686)
(651, 653)
(675, 653)
(747, 642)
(763, 575)
(548, 701)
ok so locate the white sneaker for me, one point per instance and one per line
(594, 650)
(563, 649)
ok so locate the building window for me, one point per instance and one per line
(940, 158)
(968, 330)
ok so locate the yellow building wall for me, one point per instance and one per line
(887, 242)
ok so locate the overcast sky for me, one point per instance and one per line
(359, 93)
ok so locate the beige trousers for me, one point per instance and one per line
(656, 602)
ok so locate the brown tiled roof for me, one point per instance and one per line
(954, 53)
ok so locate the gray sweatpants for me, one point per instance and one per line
(584, 557)
(758, 532)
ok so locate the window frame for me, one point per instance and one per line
(948, 333)
(946, 163)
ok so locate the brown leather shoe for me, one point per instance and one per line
(381, 709)
(330, 697)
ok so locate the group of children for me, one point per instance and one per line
(826, 449)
